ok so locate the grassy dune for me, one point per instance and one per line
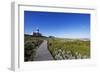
(69, 49)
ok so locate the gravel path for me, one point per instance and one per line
(42, 53)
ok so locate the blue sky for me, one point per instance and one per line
(63, 25)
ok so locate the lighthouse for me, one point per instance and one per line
(37, 29)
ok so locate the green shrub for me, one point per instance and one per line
(30, 46)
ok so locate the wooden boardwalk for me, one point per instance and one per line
(42, 53)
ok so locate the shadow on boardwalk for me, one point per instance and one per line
(42, 53)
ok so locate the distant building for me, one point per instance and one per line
(37, 34)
